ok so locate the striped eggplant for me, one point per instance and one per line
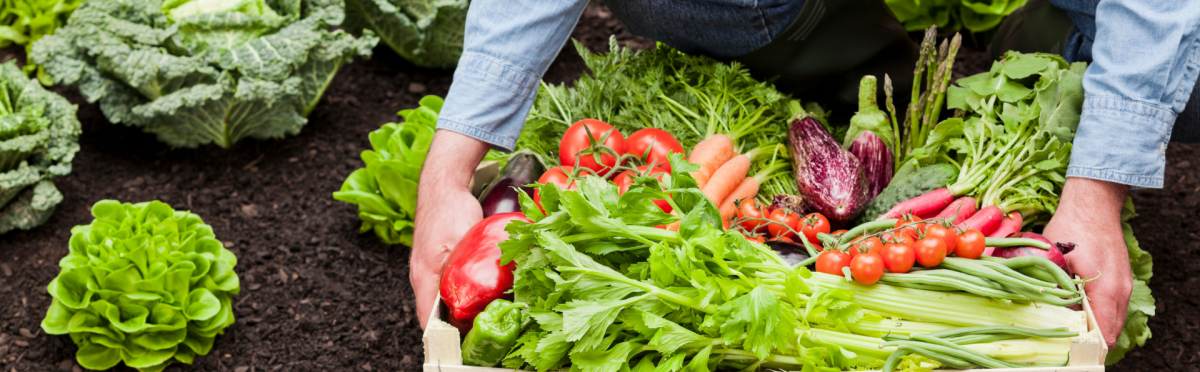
(830, 179)
(876, 160)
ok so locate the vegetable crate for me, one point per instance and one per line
(443, 347)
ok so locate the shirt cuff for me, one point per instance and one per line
(488, 100)
(1122, 141)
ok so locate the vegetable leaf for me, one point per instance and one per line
(427, 33)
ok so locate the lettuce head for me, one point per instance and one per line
(429, 33)
(142, 284)
(198, 72)
(39, 136)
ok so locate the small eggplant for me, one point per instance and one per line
(501, 195)
(876, 159)
(830, 179)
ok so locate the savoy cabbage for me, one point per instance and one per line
(196, 72)
(38, 139)
(429, 33)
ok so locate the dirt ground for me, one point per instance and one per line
(319, 296)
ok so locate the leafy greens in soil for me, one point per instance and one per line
(428, 33)
(386, 190)
(196, 72)
(39, 136)
(691, 97)
(143, 284)
(23, 22)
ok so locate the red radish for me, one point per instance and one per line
(930, 202)
(986, 221)
(1011, 224)
(963, 208)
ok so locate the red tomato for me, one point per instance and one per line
(831, 262)
(783, 239)
(782, 217)
(945, 235)
(751, 209)
(970, 244)
(755, 238)
(898, 258)
(871, 245)
(866, 268)
(571, 151)
(814, 223)
(911, 232)
(842, 231)
(930, 251)
(625, 179)
(559, 176)
(659, 144)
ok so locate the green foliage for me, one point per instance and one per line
(386, 190)
(427, 32)
(953, 15)
(1012, 138)
(691, 97)
(197, 72)
(1141, 302)
(23, 22)
(39, 136)
(143, 284)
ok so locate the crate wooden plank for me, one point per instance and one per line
(443, 348)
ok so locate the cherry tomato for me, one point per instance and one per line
(842, 231)
(930, 251)
(898, 257)
(945, 234)
(866, 268)
(911, 232)
(783, 216)
(814, 223)
(625, 180)
(871, 245)
(783, 239)
(970, 244)
(831, 262)
(559, 176)
(750, 208)
(571, 151)
(658, 142)
(899, 238)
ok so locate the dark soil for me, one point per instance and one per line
(319, 296)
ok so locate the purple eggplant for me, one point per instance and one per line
(792, 202)
(830, 179)
(876, 161)
(501, 195)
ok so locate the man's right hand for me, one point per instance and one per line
(445, 211)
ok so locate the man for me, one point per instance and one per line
(1145, 56)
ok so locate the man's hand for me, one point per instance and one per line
(445, 211)
(1090, 216)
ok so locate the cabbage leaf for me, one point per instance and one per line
(427, 33)
(198, 72)
(39, 136)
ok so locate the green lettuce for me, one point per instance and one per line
(953, 15)
(427, 32)
(386, 190)
(198, 72)
(143, 284)
(39, 136)
(23, 22)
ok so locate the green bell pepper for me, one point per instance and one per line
(495, 332)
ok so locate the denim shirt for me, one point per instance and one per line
(1144, 59)
(1144, 56)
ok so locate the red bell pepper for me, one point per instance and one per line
(473, 276)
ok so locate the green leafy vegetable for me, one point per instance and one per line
(386, 190)
(143, 284)
(951, 15)
(197, 72)
(427, 32)
(23, 22)
(39, 136)
(1141, 302)
(609, 292)
(691, 97)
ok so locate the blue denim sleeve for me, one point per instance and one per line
(1145, 61)
(507, 46)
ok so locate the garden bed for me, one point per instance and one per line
(317, 295)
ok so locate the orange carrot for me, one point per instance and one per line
(747, 189)
(710, 154)
(726, 178)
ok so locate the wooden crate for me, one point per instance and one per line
(443, 347)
